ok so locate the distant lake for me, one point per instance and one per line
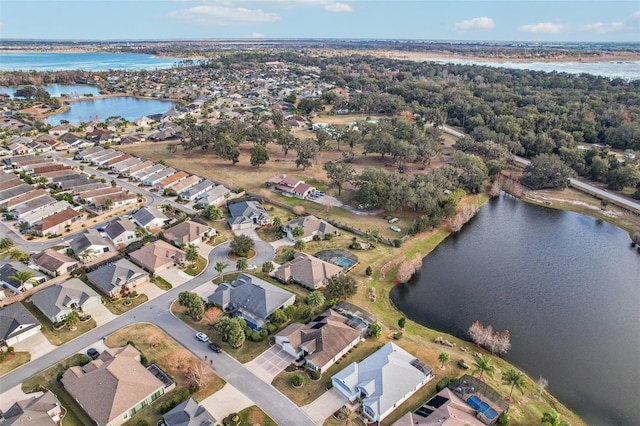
(626, 70)
(565, 285)
(91, 61)
(124, 106)
(57, 90)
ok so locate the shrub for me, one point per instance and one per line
(397, 336)
(328, 237)
(143, 422)
(256, 337)
(402, 321)
(368, 272)
(232, 419)
(316, 237)
(315, 375)
(328, 384)
(10, 349)
(143, 360)
(442, 383)
(297, 380)
(397, 242)
(2, 356)
(271, 328)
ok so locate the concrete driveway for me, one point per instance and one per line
(324, 406)
(175, 276)
(36, 345)
(11, 396)
(281, 243)
(150, 289)
(227, 400)
(101, 315)
(270, 363)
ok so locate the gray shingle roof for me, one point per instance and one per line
(189, 413)
(87, 239)
(57, 298)
(146, 215)
(114, 274)
(14, 316)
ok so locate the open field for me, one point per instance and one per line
(172, 358)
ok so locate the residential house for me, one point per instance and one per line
(289, 185)
(56, 223)
(197, 190)
(143, 165)
(321, 342)
(171, 180)
(19, 149)
(188, 232)
(121, 232)
(312, 227)
(9, 270)
(158, 256)
(214, 197)
(41, 409)
(247, 214)
(28, 203)
(188, 413)
(133, 139)
(253, 298)
(16, 191)
(182, 186)
(307, 271)
(48, 210)
(158, 176)
(142, 174)
(17, 324)
(117, 277)
(446, 409)
(89, 245)
(383, 380)
(88, 196)
(119, 199)
(54, 263)
(57, 301)
(87, 152)
(124, 165)
(112, 388)
(122, 157)
(149, 218)
(61, 129)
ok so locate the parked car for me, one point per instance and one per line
(93, 353)
(215, 347)
(395, 229)
(202, 337)
(251, 267)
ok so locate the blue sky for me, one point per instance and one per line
(533, 20)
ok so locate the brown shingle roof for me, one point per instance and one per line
(156, 255)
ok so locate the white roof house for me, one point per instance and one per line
(384, 380)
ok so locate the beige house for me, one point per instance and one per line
(307, 271)
(321, 342)
(158, 256)
(188, 232)
(54, 263)
(112, 388)
(42, 409)
(312, 226)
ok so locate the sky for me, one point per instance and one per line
(508, 20)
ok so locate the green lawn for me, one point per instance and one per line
(63, 335)
(199, 266)
(119, 306)
(13, 361)
(253, 415)
(48, 379)
(161, 283)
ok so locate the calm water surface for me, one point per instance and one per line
(123, 106)
(566, 286)
(91, 61)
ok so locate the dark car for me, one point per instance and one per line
(215, 347)
(92, 353)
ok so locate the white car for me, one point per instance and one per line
(202, 337)
(395, 229)
(251, 267)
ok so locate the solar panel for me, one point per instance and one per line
(437, 401)
(424, 368)
(423, 411)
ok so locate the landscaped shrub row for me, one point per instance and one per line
(176, 399)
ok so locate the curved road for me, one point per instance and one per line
(157, 311)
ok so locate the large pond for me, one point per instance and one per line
(565, 285)
(90, 61)
(123, 106)
(57, 90)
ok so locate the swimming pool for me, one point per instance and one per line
(482, 407)
(344, 262)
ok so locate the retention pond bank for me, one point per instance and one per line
(566, 286)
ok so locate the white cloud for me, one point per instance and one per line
(481, 23)
(222, 16)
(602, 28)
(338, 7)
(542, 27)
(257, 35)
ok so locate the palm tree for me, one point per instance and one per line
(191, 254)
(220, 267)
(22, 277)
(6, 243)
(483, 365)
(443, 357)
(513, 378)
(242, 264)
(315, 299)
(72, 320)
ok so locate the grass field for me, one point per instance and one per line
(172, 358)
(13, 361)
(198, 267)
